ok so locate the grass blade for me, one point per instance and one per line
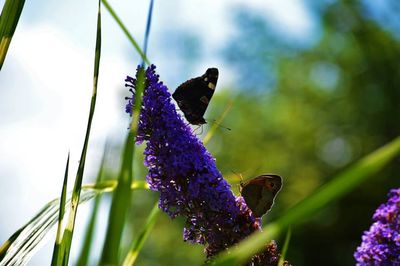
(87, 243)
(58, 248)
(23, 244)
(285, 246)
(147, 33)
(67, 238)
(119, 206)
(125, 30)
(138, 243)
(26, 241)
(110, 185)
(10, 14)
(6, 245)
(333, 190)
(122, 194)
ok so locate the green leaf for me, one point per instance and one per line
(110, 185)
(285, 246)
(333, 190)
(10, 14)
(58, 248)
(23, 244)
(6, 245)
(138, 243)
(147, 33)
(119, 206)
(122, 194)
(87, 243)
(69, 230)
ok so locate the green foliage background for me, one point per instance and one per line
(306, 113)
(333, 102)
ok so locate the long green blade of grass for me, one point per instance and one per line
(88, 240)
(9, 18)
(119, 205)
(110, 185)
(138, 243)
(285, 246)
(333, 190)
(7, 244)
(58, 248)
(23, 244)
(147, 33)
(125, 30)
(122, 194)
(69, 230)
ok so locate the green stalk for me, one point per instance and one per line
(138, 243)
(69, 230)
(58, 247)
(88, 240)
(120, 202)
(122, 195)
(285, 246)
(9, 18)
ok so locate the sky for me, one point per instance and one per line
(46, 84)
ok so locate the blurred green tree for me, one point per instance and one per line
(329, 104)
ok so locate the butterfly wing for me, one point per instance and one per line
(260, 192)
(194, 95)
(188, 97)
(272, 182)
(252, 194)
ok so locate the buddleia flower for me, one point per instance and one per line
(381, 243)
(185, 174)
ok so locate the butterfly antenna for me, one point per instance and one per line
(239, 175)
(241, 179)
(201, 127)
(219, 124)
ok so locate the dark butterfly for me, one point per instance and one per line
(259, 193)
(194, 95)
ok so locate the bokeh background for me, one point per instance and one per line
(314, 86)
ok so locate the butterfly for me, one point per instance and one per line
(194, 95)
(259, 193)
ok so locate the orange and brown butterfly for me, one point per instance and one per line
(259, 193)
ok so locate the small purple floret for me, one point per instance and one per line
(381, 244)
(185, 174)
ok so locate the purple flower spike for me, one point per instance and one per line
(186, 176)
(381, 244)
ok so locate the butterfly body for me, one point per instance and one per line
(194, 95)
(259, 193)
